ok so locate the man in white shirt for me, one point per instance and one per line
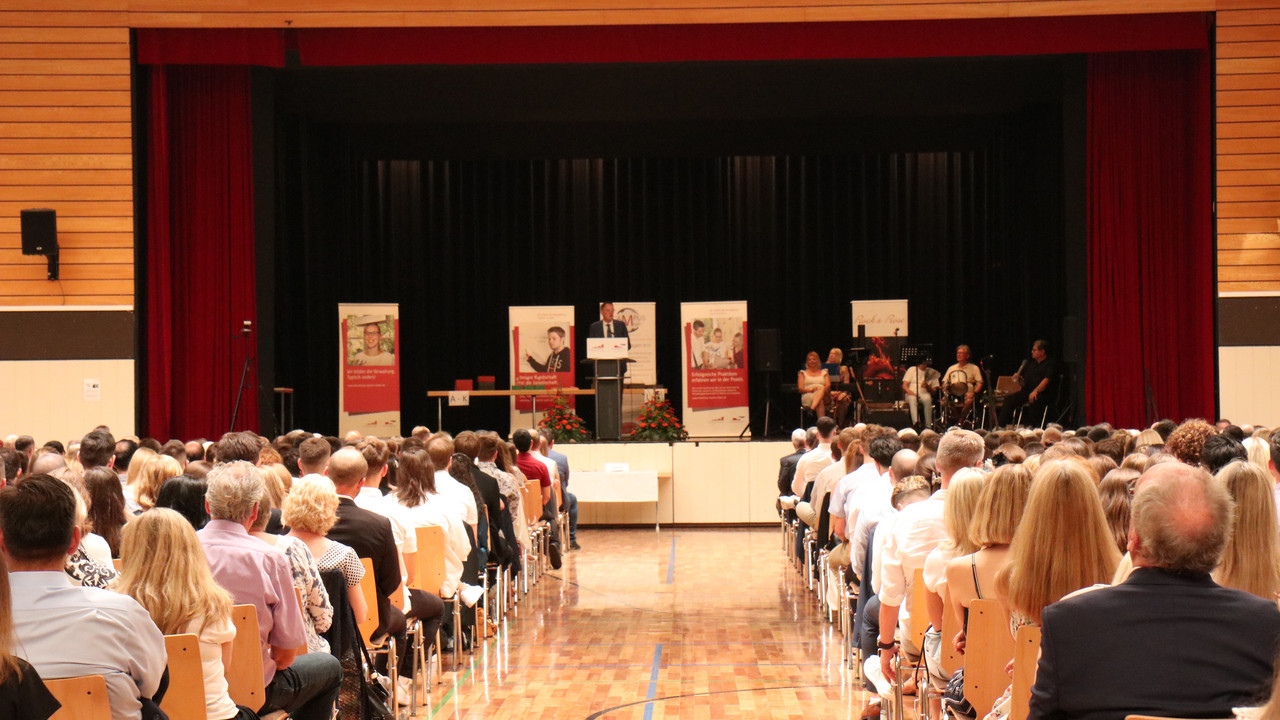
(879, 444)
(878, 506)
(810, 511)
(440, 448)
(964, 375)
(64, 630)
(812, 462)
(917, 530)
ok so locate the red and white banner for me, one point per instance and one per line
(369, 391)
(714, 337)
(542, 355)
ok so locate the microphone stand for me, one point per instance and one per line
(244, 374)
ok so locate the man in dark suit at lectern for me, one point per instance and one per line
(606, 326)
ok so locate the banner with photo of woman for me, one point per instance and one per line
(369, 388)
(542, 346)
(714, 338)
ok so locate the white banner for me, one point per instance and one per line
(714, 339)
(369, 369)
(881, 318)
(542, 350)
(639, 318)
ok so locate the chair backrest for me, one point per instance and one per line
(1026, 655)
(555, 491)
(245, 683)
(117, 563)
(185, 699)
(951, 660)
(430, 559)
(988, 650)
(919, 609)
(369, 589)
(82, 698)
(533, 502)
(1007, 385)
(397, 597)
(302, 649)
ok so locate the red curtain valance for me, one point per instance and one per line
(676, 43)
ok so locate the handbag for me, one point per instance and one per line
(954, 700)
(374, 697)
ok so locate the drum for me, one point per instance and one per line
(958, 389)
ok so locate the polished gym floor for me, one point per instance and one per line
(647, 625)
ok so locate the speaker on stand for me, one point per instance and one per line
(766, 359)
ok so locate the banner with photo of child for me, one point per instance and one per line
(542, 355)
(369, 390)
(714, 337)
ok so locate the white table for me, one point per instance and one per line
(616, 487)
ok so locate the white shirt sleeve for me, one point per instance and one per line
(893, 581)
(145, 647)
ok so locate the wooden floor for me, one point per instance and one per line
(647, 625)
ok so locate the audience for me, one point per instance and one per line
(256, 574)
(67, 631)
(310, 511)
(166, 572)
(106, 513)
(1250, 559)
(317, 610)
(1181, 521)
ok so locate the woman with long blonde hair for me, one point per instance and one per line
(151, 479)
(133, 475)
(1063, 543)
(1251, 560)
(165, 570)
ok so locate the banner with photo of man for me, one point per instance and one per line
(369, 390)
(542, 347)
(714, 337)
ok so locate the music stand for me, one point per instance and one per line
(856, 358)
(912, 355)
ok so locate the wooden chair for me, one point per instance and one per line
(245, 681)
(430, 576)
(185, 698)
(369, 589)
(903, 667)
(532, 504)
(988, 650)
(302, 649)
(82, 698)
(117, 563)
(1026, 655)
(951, 660)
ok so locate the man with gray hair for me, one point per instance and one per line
(258, 574)
(1168, 641)
(787, 465)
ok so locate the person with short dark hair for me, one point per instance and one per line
(533, 469)
(607, 326)
(235, 446)
(65, 630)
(1219, 450)
(570, 500)
(313, 456)
(186, 495)
(560, 358)
(1180, 523)
(97, 448)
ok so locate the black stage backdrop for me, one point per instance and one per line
(796, 186)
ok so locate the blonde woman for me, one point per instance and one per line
(1259, 451)
(957, 512)
(311, 510)
(166, 571)
(973, 576)
(1251, 560)
(317, 611)
(1063, 543)
(154, 473)
(133, 476)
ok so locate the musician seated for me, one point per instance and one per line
(840, 399)
(814, 383)
(918, 384)
(1035, 377)
(963, 382)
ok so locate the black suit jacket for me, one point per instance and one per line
(1161, 643)
(619, 330)
(787, 472)
(369, 534)
(492, 497)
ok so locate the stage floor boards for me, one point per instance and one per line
(648, 625)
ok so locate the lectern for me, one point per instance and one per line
(609, 355)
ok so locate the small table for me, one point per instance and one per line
(440, 395)
(628, 486)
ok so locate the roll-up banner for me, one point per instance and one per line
(369, 366)
(714, 337)
(542, 356)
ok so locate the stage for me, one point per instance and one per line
(710, 481)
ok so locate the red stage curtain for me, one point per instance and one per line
(200, 252)
(211, 46)
(763, 41)
(1151, 284)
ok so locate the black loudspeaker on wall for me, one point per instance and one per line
(766, 356)
(40, 236)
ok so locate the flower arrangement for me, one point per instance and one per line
(564, 424)
(657, 422)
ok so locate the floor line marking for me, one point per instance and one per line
(657, 661)
(671, 563)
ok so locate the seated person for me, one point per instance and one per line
(918, 384)
(1035, 377)
(963, 382)
(258, 574)
(840, 399)
(815, 385)
(68, 631)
